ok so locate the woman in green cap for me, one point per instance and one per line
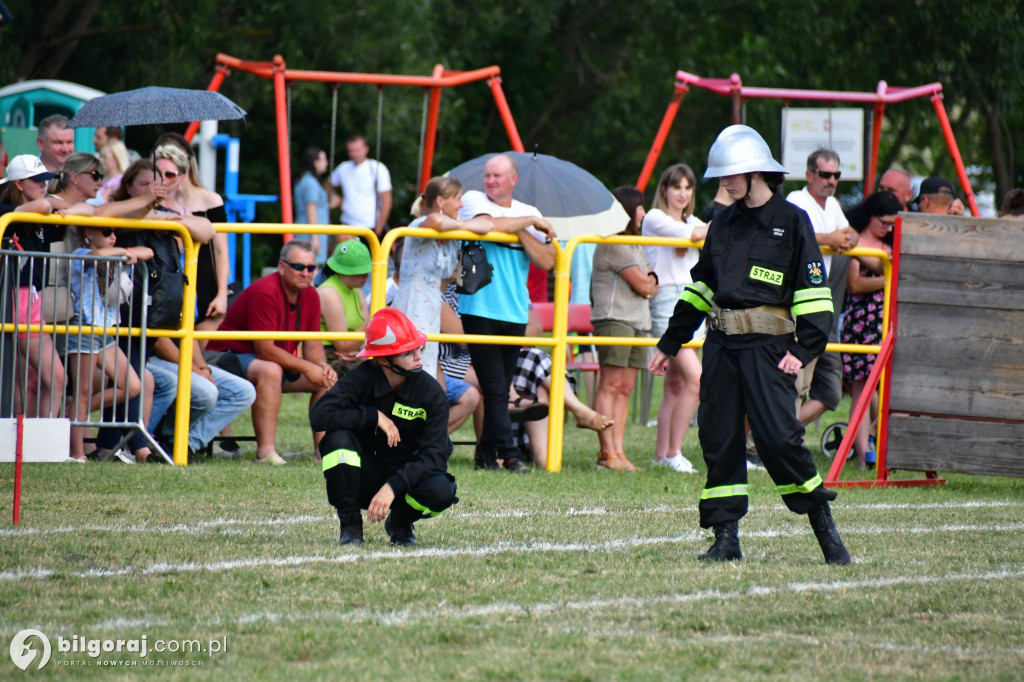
(342, 304)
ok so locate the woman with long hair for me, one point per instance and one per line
(874, 219)
(620, 287)
(672, 216)
(213, 268)
(425, 262)
(310, 202)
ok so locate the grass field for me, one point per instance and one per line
(583, 575)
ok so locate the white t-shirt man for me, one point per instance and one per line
(823, 220)
(360, 199)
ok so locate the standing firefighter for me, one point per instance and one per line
(760, 269)
(386, 446)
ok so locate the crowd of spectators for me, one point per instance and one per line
(320, 284)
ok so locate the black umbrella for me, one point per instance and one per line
(153, 105)
(570, 198)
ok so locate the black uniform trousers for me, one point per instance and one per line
(356, 476)
(739, 382)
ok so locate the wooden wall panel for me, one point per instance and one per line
(955, 445)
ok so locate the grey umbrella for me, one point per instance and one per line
(570, 198)
(147, 106)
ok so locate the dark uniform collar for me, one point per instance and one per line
(381, 385)
(765, 213)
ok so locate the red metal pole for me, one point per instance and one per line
(283, 153)
(872, 167)
(736, 95)
(506, 114)
(430, 139)
(954, 151)
(215, 83)
(17, 468)
(661, 136)
(883, 406)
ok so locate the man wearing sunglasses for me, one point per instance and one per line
(283, 301)
(821, 380)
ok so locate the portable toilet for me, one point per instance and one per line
(23, 105)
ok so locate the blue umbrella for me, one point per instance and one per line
(570, 198)
(153, 105)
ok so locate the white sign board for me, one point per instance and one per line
(804, 130)
(43, 439)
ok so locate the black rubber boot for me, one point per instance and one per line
(727, 543)
(400, 534)
(828, 537)
(351, 530)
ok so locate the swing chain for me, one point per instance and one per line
(334, 123)
(423, 137)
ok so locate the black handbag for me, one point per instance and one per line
(166, 295)
(474, 272)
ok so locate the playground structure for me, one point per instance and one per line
(734, 89)
(432, 85)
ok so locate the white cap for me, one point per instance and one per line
(27, 167)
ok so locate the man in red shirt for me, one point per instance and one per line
(283, 301)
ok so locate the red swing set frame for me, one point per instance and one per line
(440, 78)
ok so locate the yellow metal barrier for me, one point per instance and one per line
(379, 251)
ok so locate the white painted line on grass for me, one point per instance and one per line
(218, 525)
(612, 545)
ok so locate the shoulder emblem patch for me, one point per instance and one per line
(814, 272)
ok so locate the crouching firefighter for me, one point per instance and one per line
(386, 445)
(761, 283)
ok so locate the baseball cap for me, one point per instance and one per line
(26, 167)
(934, 185)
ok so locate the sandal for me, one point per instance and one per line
(596, 422)
(530, 413)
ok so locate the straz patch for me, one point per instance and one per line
(410, 413)
(766, 275)
(814, 272)
(778, 232)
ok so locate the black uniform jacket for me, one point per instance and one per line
(752, 257)
(419, 408)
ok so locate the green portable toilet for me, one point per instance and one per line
(23, 105)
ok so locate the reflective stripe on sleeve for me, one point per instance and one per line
(804, 487)
(816, 300)
(342, 456)
(739, 490)
(698, 295)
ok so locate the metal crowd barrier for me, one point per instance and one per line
(45, 367)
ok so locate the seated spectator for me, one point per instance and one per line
(342, 303)
(532, 381)
(281, 301)
(217, 396)
(621, 286)
(90, 355)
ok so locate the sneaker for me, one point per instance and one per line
(483, 462)
(400, 535)
(754, 463)
(221, 452)
(516, 466)
(125, 456)
(271, 458)
(677, 463)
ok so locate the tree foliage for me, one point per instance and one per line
(587, 81)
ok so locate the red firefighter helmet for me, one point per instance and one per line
(390, 332)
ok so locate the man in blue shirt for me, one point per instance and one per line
(502, 307)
